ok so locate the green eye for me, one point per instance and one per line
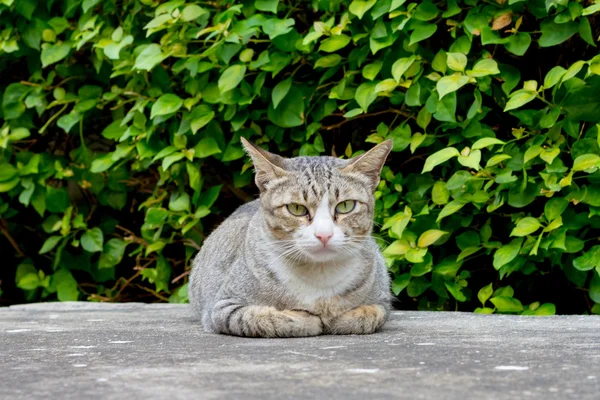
(345, 206)
(297, 210)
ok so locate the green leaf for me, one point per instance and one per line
(54, 53)
(554, 76)
(456, 291)
(359, 8)
(450, 209)
(456, 61)
(290, 111)
(231, 77)
(594, 288)
(370, 71)
(365, 95)
(429, 237)
(267, 5)
(200, 117)
(422, 32)
(586, 161)
(526, 226)
(50, 244)
(334, 43)
(92, 240)
(401, 66)
(519, 98)
(486, 142)
(191, 12)
(66, 285)
(589, 260)
(7, 172)
(112, 253)
(554, 34)
(507, 253)
(328, 61)
(484, 67)
(206, 148)
(397, 248)
(518, 43)
(280, 91)
(449, 84)
(440, 194)
(485, 293)
(507, 304)
(277, 27)
(555, 207)
(179, 202)
(166, 104)
(149, 58)
(400, 282)
(439, 157)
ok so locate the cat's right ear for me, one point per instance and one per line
(267, 166)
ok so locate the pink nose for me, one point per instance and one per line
(324, 237)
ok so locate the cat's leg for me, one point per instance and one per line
(234, 318)
(358, 321)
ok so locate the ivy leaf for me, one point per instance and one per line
(400, 282)
(518, 43)
(328, 61)
(166, 104)
(449, 84)
(50, 244)
(92, 240)
(456, 291)
(231, 77)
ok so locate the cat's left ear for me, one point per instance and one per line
(268, 166)
(370, 163)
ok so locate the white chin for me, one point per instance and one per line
(322, 254)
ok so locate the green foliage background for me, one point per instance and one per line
(120, 149)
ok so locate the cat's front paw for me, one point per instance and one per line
(358, 321)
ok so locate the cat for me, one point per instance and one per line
(300, 260)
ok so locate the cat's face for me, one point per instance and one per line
(318, 209)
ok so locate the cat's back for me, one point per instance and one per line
(226, 240)
(219, 251)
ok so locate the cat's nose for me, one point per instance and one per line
(324, 237)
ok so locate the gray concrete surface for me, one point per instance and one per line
(137, 351)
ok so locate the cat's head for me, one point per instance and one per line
(318, 209)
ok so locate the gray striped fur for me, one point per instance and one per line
(246, 281)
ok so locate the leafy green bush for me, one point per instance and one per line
(120, 143)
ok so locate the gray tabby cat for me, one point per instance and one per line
(299, 261)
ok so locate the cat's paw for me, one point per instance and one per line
(358, 321)
(301, 323)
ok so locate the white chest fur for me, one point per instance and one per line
(316, 282)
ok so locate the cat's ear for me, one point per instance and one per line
(267, 166)
(370, 163)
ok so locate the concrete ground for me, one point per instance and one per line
(137, 351)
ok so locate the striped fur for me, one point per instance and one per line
(264, 272)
